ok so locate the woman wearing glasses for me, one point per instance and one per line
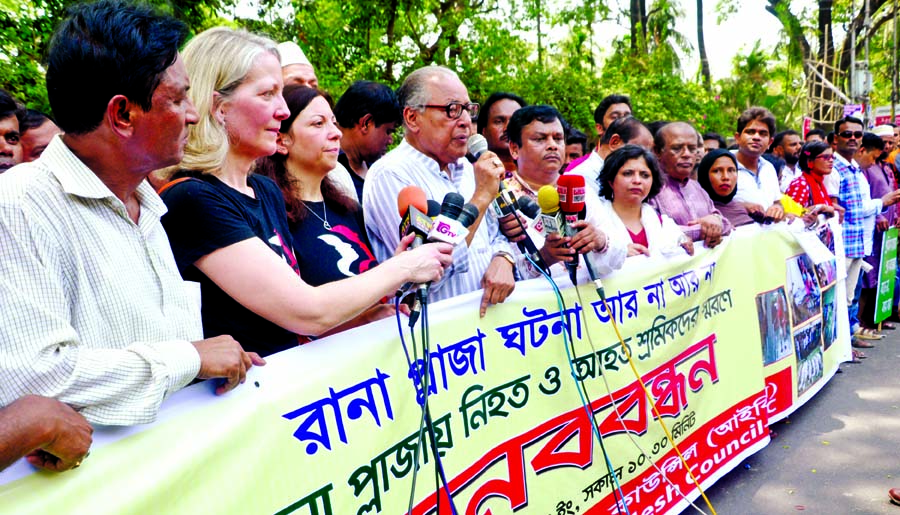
(228, 226)
(808, 189)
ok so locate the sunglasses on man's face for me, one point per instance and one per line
(851, 134)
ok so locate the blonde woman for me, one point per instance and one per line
(228, 226)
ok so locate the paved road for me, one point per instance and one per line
(838, 454)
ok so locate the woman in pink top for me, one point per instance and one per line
(630, 177)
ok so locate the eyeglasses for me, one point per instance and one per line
(825, 157)
(851, 134)
(455, 109)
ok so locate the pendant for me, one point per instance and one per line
(326, 225)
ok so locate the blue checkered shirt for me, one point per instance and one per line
(850, 198)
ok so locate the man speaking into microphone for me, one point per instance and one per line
(437, 116)
(536, 141)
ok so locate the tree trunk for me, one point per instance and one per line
(635, 15)
(391, 34)
(643, 8)
(704, 61)
(825, 64)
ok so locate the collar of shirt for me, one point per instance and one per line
(760, 163)
(852, 164)
(519, 185)
(431, 165)
(75, 178)
(672, 182)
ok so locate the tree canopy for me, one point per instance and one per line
(504, 46)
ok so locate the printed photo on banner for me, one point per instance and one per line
(829, 318)
(826, 236)
(774, 325)
(826, 273)
(808, 346)
(803, 289)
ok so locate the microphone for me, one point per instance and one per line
(476, 146)
(571, 200)
(528, 207)
(571, 193)
(505, 202)
(551, 220)
(446, 227)
(452, 205)
(413, 207)
(434, 208)
(468, 215)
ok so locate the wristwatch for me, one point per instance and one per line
(507, 256)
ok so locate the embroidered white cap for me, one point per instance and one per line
(291, 54)
(883, 130)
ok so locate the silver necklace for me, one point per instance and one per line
(325, 223)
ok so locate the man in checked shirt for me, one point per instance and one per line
(95, 313)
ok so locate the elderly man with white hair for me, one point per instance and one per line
(437, 118)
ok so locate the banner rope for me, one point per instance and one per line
(620, 418)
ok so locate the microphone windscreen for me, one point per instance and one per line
(452, 205)
(411, 196)
(476, 145)
(528, 207)
(548, 199)
(571, 193)
(467, 215)
(434, 208)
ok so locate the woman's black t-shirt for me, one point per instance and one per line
(326, 255)
(205, 215)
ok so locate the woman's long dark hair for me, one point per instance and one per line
(298, 98)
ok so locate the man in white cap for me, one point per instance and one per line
(886, 133)
(295, 67)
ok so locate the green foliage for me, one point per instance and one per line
(492, 44)
(25, 32)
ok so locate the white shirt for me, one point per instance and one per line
(758, 188)
(788, 175)
(406, 166)
(95, 312)
(589, 169)
(663, 234)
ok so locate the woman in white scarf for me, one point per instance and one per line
(630, 177)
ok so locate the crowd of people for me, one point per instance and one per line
(176, 175)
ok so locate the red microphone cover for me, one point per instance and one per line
(571, 193)
(411, 196)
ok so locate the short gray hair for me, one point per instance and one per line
(412, 92)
